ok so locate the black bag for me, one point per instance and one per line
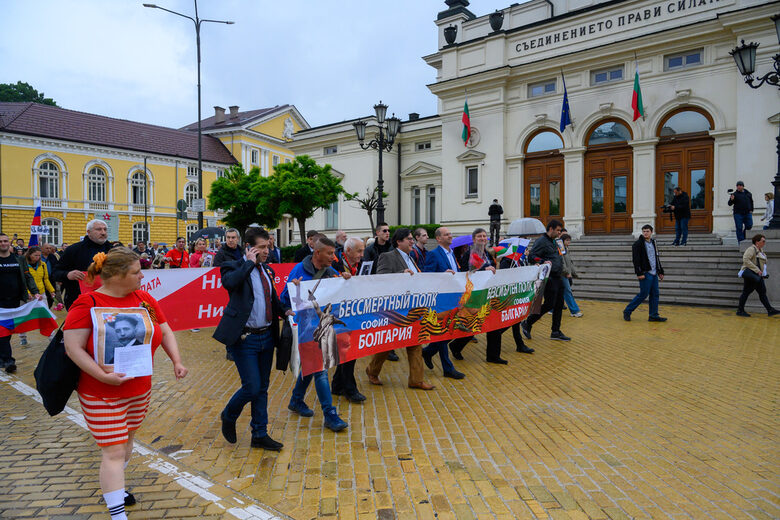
(284, 350)
(56, 375)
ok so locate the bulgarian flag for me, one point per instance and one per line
(636, 98)
(34, 315)
(466, 135)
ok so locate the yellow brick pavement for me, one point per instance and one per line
(629, 420)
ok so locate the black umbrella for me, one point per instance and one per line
(208, 232)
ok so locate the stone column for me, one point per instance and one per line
(724, 168)
(513, 202)
(644, 210)
(573, 194)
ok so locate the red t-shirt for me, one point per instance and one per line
(80, 317)
(178, 258)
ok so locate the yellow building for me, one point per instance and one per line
(83, 166)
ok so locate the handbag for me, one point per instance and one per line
(56, 375)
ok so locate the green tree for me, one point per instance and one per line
(23, 92)
(367, 203)
(237, 194)
(299, 188)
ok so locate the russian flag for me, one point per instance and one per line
(34, 315)
(36, 221)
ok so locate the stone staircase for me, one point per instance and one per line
(702, 273)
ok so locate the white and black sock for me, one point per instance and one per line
(115, 500)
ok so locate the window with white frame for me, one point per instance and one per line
(255, 157)
(49, 180)
(190, 193)
(139, 232)
(192, 172)
(330, 150)
(542, 88)
(431, 204)
(55, 231)
(683, 60)
(220, 173)
(472, 182)
(597, 77)
(332, 216)
(191, 230)
(416, 206)
(96, 188)
(275, 160)
(425, 145)
(138, 186)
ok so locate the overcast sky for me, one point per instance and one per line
(332, 59)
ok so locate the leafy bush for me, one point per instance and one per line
(288, 253)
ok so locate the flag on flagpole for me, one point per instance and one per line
(636, 98)
(36, 222)
(565, 114)
(34, 315)
(466, 134)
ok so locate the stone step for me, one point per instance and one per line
(667, 296)
(667, 283)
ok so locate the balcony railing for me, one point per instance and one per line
(51, 203)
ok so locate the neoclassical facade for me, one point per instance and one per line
(703, 129)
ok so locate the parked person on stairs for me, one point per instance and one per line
(681, 206)
(742, 202)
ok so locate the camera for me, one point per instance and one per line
(667, 208)
(730, 191)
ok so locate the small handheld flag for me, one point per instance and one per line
(476, 261)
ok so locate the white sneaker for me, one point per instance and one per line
(194, 330)
(576, 315)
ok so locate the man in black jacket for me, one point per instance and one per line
(77, 258)
(545, 249)
(648, 269)
(249, 328)
(494, 212)
(742, 200)
(307, 248)
(231, 249)
(381, 245)
(681, 206)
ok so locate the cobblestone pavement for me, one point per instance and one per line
(629, 420)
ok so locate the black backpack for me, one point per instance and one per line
(56, 376)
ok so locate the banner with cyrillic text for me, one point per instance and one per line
(192, 298)
(341, 320)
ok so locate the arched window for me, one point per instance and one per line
(609, 132)
(190, 193)
(544, 141)
(49, 180)
(96, 188)
(685, 122)
(138, 186)
(55, 231)
(191, 230)
(139, 232)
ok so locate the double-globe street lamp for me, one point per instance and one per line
(745, 57)
(380, 142)
(197, 21)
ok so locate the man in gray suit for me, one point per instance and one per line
(398, 261)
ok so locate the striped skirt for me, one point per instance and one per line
(110, 418)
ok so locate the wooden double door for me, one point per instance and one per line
(687, 164)
(544, 187)
(608, 190)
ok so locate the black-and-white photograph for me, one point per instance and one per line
(118, 328)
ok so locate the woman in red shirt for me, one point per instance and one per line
(115, 405)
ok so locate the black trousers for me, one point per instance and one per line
(753, 282)
(493, 350)
(344, 378)
(553, 300)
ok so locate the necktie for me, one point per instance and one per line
(267, 294)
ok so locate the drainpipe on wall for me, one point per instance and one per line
(552, 8)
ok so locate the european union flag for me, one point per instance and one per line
(565, 115)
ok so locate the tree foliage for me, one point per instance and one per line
(234, 193)
(367, 203)
(23, 92)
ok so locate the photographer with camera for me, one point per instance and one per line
(742, 200)
(681, 209)
(753, 273)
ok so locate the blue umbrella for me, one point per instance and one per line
(465, 240)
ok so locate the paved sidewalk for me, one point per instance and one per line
(629, 420)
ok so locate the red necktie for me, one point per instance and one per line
(267, 293)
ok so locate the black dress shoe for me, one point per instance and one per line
(454, 374)
(129, 499)
(773, 312)
(10, 368)
(656, 318)
(229, 431)
(457, 353)
(526, 329)
(229, 356)
(267, 443)
(356, 397)
(525, 350)
(744, 314)
(498, 361)
(392, 356)
(626, 316)
(559, 336)
(428, 358)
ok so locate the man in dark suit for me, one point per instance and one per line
(441, 260)
(307, 248)
(399, 261)
(648, 269)
(250, 329)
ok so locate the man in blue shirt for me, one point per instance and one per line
(649, 271)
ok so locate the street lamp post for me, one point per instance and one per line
(745, 58)
(197, 21)
(381, 142)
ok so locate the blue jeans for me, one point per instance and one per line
(681, 228)
(743, 222)
(320, 384)
(647, 286)
(568, 297)
(253, 357)
(444, 354)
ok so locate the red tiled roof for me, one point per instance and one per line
(70, 125)
(240, 119)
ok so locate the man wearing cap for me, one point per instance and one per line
(742, 202)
